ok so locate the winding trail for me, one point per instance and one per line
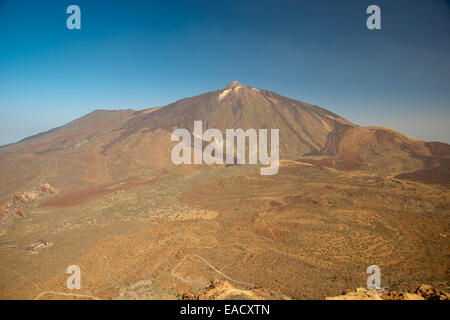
(251, 285)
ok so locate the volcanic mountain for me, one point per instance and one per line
(107, 146)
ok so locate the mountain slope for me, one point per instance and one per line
(108, 146)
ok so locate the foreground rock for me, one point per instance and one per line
(423, 292)
(223, 290)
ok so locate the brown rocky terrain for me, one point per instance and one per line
(104, 193)
(423, 292)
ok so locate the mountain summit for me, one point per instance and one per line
(304, 128)
(234, 84)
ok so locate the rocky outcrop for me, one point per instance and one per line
(423, 292)
(224, 290)
(358, 294)
(19, 201)
(47, 188)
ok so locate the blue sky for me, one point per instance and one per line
(142, 54)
